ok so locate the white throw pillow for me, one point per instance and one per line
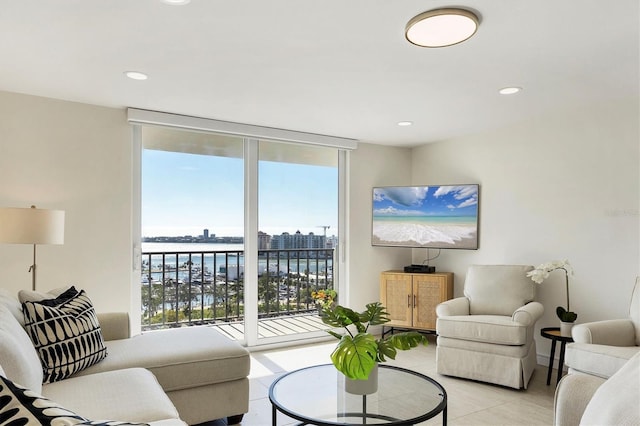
(12, 304)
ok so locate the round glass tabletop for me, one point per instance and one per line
(316, 395)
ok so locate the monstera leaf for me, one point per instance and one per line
(355, 356)
(358, 351)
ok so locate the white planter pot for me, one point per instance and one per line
(363, 387)
(565, 328)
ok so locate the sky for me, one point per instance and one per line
(426, 201)
(182, 194)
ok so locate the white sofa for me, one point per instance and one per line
(583, 399)
(186, 375)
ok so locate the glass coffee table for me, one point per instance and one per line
(316, 396)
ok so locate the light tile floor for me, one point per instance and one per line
(469, 402)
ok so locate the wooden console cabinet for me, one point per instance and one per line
(411, 299)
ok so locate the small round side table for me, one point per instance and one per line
(553, 333)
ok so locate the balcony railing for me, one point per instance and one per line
(207, 287)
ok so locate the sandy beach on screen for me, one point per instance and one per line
(414, 234)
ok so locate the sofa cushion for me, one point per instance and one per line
(21, 406)
(616, 401)
(125, 395)
(598, 360)
(66, 335)
(211, 357)
(18, 357)
(496, 329)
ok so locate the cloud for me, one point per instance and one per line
(403, 196)
(391, 211)
(468, 202)
(467, 193)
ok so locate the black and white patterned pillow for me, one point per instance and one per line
(66, 335)
(20, 406)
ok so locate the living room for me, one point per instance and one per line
(563, 183)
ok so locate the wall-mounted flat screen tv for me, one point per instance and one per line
(433, 216)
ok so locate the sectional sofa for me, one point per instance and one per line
(178, 376)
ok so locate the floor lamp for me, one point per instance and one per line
(31, 226)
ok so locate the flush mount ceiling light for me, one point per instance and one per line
(176, 2)
(509, 90)
(405, 123)
(441, 27)
(136, 75)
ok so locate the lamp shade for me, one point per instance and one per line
(31, 226)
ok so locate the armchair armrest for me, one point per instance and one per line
(453, 307)
(618, 332)
(528, 314)
(114, 325)
(572, 396)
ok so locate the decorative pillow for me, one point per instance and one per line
(37, 296)
(20, 406)
(66, 336)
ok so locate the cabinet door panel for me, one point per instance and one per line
(428, 293)
(395, 295)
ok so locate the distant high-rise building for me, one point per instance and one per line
(264, 241)
(206, 234)
(286, 241)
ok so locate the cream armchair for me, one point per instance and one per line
(601, 348)
(487, 335)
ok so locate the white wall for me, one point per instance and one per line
(566, 185)
(372, 165)
(77, 158)
(562, 186)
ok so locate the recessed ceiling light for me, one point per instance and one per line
(136, 75)
(405, 123)
(441, 27)
(176, 2)
(509, 90)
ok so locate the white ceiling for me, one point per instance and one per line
(333, 67)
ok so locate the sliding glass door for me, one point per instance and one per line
(297, 236)
(237, 232)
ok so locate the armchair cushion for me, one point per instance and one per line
(498, 290)
(496, 329)
(598, 360)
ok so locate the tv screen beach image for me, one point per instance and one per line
(426, 216)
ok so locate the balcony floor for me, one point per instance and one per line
(276, 326)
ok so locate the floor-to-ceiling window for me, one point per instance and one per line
(237, 231)
(297, 233)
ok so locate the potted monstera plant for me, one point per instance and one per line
(358, 352)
